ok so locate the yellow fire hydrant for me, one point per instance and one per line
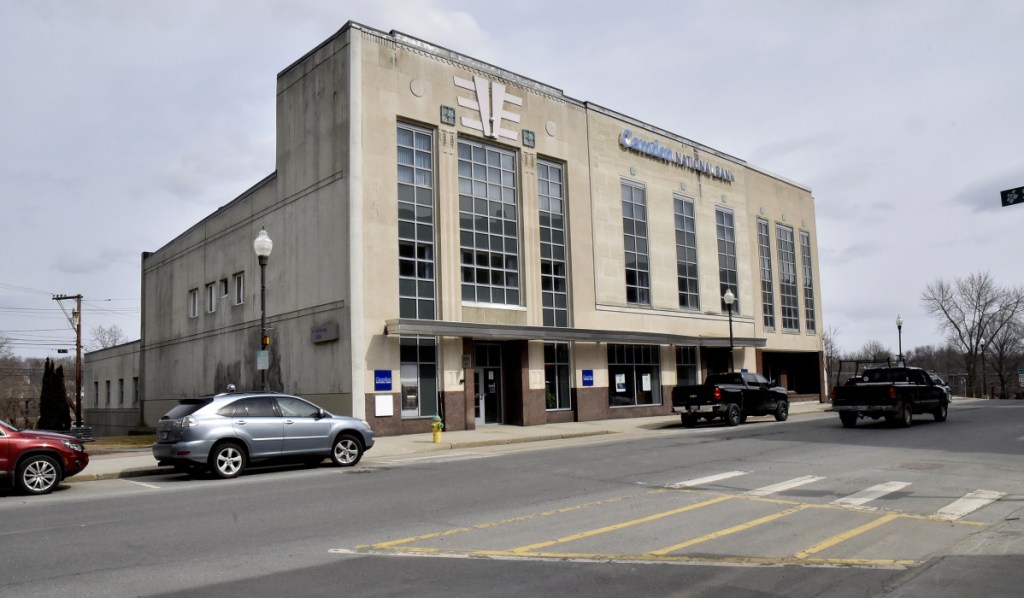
(436, 428)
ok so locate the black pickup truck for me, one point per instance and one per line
(895, 393)
(732, 397)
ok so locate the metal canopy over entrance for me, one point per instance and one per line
(409, 327)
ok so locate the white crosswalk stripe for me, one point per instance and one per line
(969, 504)
(865, 496)
(783, 486)
(708, 479)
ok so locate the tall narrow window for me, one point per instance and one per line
(120, 392)
(96, 392)
(634, 232)
(416, 292)
(135, 390)
(556, 376)
(764, 250)
(211, 298)
(726, 231)
(193, 303)
(488, 224)
(239, 288)
(419, 376)
(108, 393)
(805, 257)
(787, 278)
(554, 282)
(686, 253)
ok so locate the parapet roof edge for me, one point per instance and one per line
(459, 58)
(240, 197)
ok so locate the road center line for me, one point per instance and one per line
(866, 496)
(707, 479)
(783, 486)
(969, 504)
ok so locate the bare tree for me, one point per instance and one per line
(830, 342)
(970, 309)
(108, 337)
(872, 351)
(1003, 350)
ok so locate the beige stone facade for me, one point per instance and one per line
(413, 200)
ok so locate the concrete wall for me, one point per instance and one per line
(119, 367)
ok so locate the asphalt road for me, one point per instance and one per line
(799, 508)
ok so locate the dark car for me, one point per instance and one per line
(38, 461)
(224, 433)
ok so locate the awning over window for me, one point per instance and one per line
(409, 327)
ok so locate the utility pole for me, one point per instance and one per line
(76, 319)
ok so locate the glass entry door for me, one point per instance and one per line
(487, 384)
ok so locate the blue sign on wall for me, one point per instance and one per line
(381, 379)
(588, 377)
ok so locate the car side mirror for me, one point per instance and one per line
(320, 414)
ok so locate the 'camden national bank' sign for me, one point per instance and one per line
(654, 149)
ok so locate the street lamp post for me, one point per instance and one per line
(729, 299)
(263, 245)
(899, 329)
(984, 380)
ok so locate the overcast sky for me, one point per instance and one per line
(124, 122)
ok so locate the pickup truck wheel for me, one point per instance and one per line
(849, 418)
(782, 411)
(941, 412)
(733, 416)
(689, 421)
(906, 417)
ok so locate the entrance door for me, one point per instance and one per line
(487, 384)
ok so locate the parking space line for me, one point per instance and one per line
(969, 504)
(707, 479)
(839, 538)
(153, 486)
(866, 496)
(622, 525)
(783, 486)
(729, 531)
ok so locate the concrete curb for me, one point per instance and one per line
(406, 447)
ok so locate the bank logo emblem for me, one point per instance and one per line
(490, 104)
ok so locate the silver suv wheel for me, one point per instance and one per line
(346, 451)
(227, 460)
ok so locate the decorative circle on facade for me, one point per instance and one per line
(551, 128)
(417, 87)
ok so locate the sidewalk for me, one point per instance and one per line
(140, 462)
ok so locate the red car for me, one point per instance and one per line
(37, 461)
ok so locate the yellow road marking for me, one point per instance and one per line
(512, 520)
(729, 531)
(749, 561)
(846, 535)
(624, 524)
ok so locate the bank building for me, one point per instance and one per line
(451, 238)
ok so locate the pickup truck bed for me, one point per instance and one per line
(893, 393)
(731, 397)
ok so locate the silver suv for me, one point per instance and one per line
(226, 432)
